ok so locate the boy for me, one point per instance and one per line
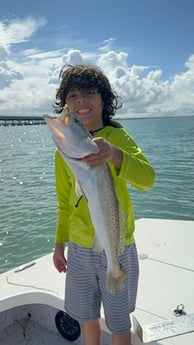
(87, 92)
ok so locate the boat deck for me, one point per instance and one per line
(166, 258)
(32, 334)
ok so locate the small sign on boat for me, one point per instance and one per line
(164, 329)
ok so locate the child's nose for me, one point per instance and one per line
(82, 97)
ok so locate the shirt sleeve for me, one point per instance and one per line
(135, 167)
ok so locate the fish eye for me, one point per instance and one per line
(76, 121)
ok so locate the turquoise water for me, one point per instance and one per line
(27, 192)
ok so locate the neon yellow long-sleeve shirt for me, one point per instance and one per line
(74, 223)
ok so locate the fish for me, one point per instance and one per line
(96, 184)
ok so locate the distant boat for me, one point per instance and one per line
(32, 296)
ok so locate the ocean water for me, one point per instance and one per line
(27, 191)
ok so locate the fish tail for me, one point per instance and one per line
(115, 280)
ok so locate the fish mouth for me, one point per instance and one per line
(62, 142)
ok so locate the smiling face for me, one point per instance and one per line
(88, 105)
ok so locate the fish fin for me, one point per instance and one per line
(115, 280)
(97, 246)
(79, 190)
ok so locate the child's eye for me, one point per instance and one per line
(73, 95)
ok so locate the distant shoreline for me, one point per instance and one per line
(10, 120)
(149, 117)
(28, 117)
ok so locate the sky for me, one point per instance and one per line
(145, 48)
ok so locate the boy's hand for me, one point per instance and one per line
(59, 259)
(107, 152)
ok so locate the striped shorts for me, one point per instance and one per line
(86, 287)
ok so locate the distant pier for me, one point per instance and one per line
(21, 120)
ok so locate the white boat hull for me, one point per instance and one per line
(32, 295)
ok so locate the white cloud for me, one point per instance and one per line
(4, 52)
(7, 74)
(17, 31)
(111, 60)
(107, 45)
(190, 62)
(73, 57)
(12, 33)
(29, 78)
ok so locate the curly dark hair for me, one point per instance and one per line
(87, 77)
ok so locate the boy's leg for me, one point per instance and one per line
(91, 332)
(119, 306)
(122, 339)
(82, 294)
